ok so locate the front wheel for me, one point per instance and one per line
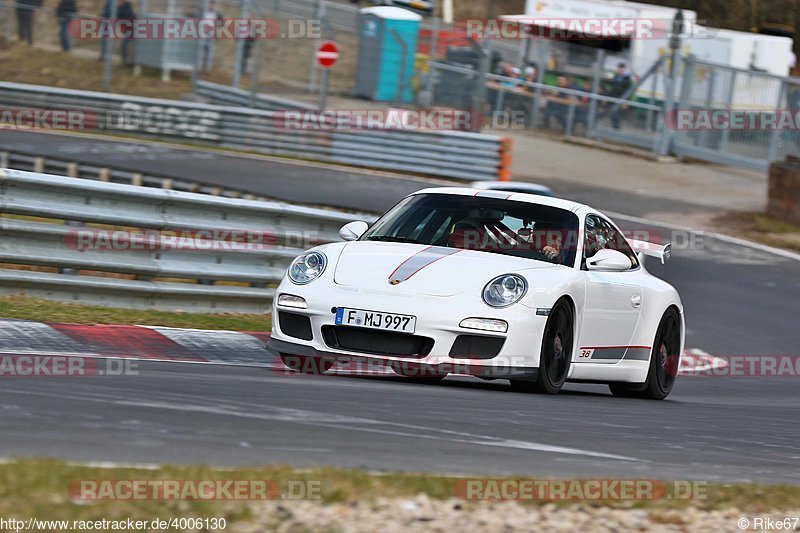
(555, 355)
(664, 363)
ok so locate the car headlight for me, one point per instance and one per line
(307, 267)
(504, 290)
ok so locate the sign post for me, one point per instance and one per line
(327, 54)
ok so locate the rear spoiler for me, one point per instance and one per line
(660, 251)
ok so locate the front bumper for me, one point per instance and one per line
(406, 367)
(438, 319)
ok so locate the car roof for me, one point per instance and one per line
(569, 205)
(512, 186)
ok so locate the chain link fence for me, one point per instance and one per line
(714, 96)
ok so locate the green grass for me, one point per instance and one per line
(38, 487)
(761, 228)
(768, 224)
(26, 308)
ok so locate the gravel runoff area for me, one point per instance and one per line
(426, 515)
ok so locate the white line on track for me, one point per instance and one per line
(369, 425)
(787, 254)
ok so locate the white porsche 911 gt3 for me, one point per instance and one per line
(536, 290)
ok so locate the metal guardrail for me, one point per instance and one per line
(32, 162)
(458, 155)
(226, 95)
(149, 270)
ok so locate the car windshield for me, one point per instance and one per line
(484, 224)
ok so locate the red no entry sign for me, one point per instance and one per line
(327, 54)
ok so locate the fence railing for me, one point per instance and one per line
(451, 154)
(149, 247)
(518, 104)
(710, 88)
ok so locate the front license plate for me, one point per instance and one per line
(375, 320)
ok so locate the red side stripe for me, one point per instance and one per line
(612, 347)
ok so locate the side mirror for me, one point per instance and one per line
(608, 261)
(353, 230)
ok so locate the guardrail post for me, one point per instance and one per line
(72, 170)
(103, 174)
(38, 164)
(166, 183)
(136, 179)
(5, 158)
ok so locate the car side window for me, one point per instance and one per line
(600, 234)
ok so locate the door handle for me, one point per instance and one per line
(636, 301)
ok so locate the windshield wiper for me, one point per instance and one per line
(389, 238)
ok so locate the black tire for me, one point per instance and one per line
(556, 353)
(306, 364)
(664, 362)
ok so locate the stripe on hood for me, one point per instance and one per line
(418, 261)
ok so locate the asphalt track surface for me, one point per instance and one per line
(738, 300)
(358, 190)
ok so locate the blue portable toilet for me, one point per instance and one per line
(386, 50)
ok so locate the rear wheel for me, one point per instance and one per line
(664, 363)
(306, 364)
(555, 355)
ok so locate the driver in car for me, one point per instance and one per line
(545, 238)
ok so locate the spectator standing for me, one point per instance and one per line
(558, 103)
(619, 85)
(25, 14)
(247, 49)
(125, 12)
(65, 11)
